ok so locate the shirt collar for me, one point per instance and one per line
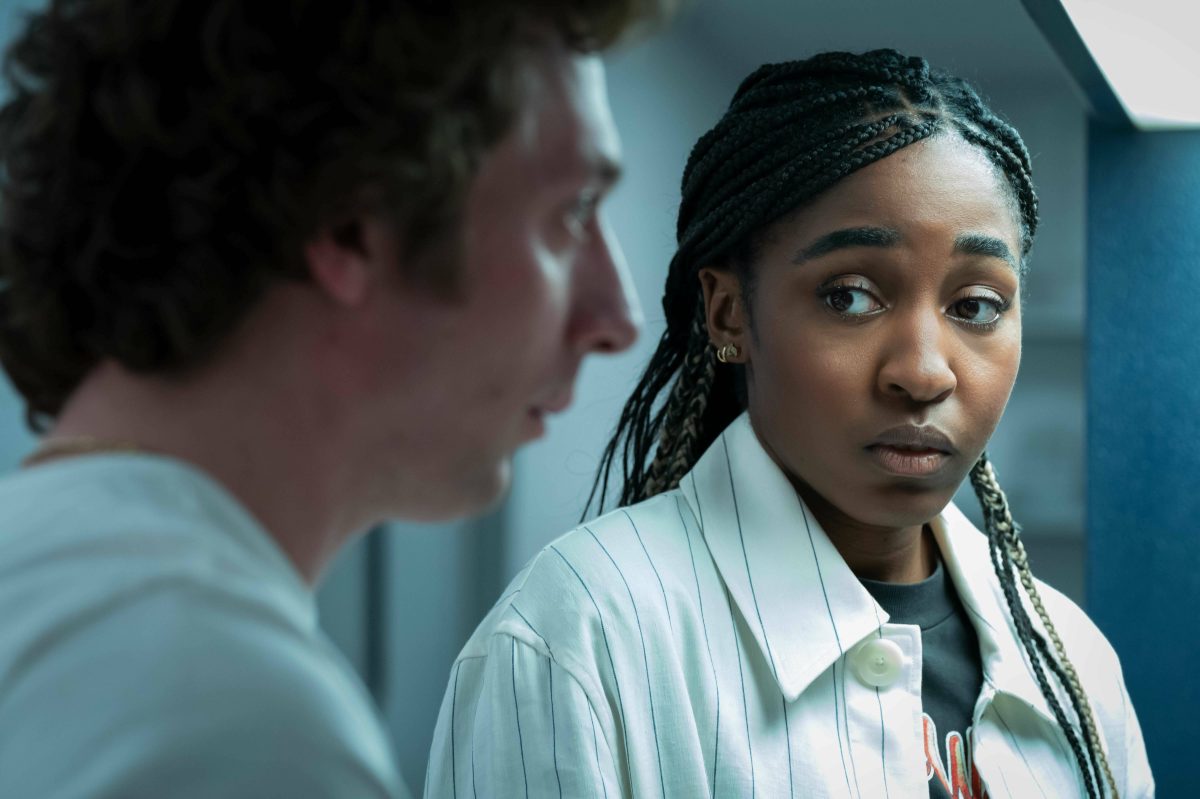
(968, 559)
(797, 595)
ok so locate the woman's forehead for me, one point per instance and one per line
(941, 182)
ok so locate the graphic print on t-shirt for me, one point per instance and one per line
(961, 780)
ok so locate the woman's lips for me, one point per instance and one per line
(908, 462)
(910, 450)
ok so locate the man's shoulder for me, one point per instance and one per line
(172, 630)
(153, 634)
(199, 675)
(119, 508)
(128, 546)
(138, 583)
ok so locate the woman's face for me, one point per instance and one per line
(884, 331)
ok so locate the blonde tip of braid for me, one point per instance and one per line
(996, 504)
(675, 454)
(1017, 552)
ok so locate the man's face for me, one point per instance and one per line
(543, 283)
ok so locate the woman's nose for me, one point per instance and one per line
(916, 363)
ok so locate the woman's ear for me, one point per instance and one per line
(725, 312)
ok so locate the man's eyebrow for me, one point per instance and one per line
(845, 239)
(989, 246)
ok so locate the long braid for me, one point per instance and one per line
(637, 423)
(1025, 632)
(791, 131)
(680, 431)
(1004, 537)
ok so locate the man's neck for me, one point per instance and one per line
(271, 446)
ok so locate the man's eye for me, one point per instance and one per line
(978, 310)
(579, 214)
(849, 301)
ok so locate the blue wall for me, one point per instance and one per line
(1144, 430)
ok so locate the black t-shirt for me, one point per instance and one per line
(951, 677)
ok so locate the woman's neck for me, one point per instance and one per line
(885, 554)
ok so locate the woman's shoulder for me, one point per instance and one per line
(1091, 654)
(625, 532)
(602, 580)
(1085, 643)
(620, 557)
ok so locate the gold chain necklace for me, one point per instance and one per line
(75, 445)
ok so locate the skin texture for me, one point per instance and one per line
(823, 385)
(544, 284)
(360, 395)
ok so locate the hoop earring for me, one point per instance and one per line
(728, 352)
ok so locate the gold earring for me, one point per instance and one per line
(728, 352)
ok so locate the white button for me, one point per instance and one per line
(878, 662)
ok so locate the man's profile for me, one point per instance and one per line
(268, 276)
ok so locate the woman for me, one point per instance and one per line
(788, 604)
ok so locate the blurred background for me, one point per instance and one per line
(402, 601)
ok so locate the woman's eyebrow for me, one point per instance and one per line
(990, 246)
(845, 239)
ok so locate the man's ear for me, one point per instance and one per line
(724, 309)
(339, 262)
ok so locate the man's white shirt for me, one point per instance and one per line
(711, 641)
(155, 642)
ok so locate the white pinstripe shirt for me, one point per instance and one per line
(706, 642)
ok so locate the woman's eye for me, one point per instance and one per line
(977, 310)
(850, 301)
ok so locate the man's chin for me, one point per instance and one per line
(493, 492)
(465, 496)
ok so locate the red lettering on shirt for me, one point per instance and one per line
(961, 780)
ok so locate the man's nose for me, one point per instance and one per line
(607, 315)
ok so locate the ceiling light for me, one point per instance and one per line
(1149, 52)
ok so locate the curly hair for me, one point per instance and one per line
(162, 161)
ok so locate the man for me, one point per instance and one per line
(269, 276)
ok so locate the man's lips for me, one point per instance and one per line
(556, 403)
(912, 450)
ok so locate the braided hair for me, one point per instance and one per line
(791, 131)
